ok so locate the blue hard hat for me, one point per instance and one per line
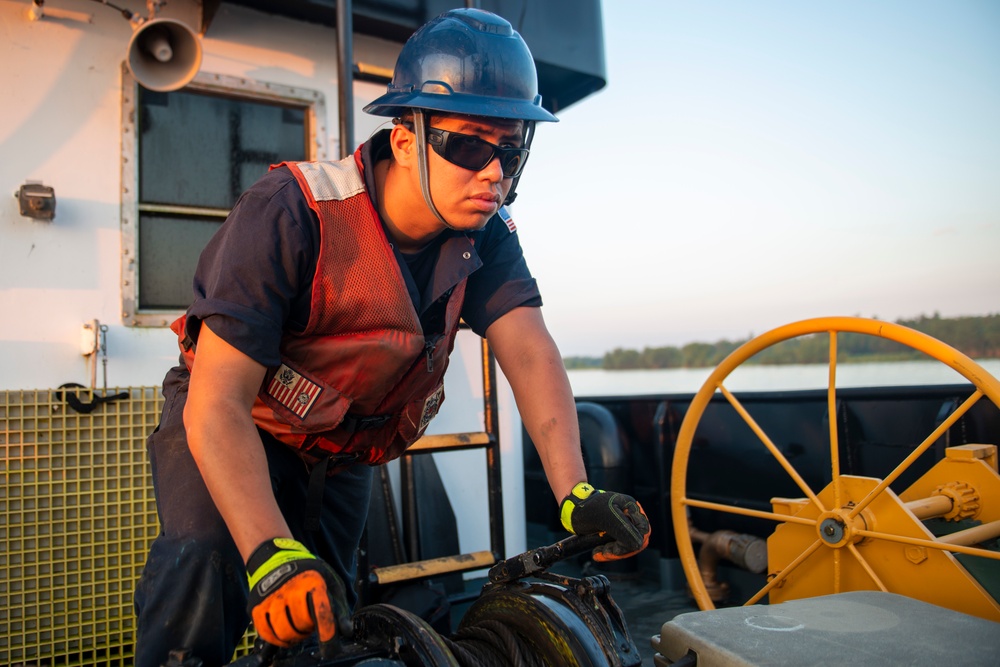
(465, 61)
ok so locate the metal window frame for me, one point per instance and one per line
(312, 101)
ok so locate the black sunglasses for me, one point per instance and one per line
(471, 152)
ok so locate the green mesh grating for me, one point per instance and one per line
(76, 518)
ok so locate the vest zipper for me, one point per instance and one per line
(429, 346)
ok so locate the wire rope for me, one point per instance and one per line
(491, 644)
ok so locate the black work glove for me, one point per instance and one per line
(293, 593)
(588, 511)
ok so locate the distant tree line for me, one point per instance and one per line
(978, 337)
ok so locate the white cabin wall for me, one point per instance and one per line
(61, 124)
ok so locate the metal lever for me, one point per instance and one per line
(541, 558)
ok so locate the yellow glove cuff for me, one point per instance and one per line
(581, 491)
(288, 550)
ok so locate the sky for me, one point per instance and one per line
(752, 164)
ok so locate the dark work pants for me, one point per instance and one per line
(193, 589)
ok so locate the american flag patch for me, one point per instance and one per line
(293, 391)
(431, 406)
(507, 220)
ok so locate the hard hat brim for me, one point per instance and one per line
(395, 104)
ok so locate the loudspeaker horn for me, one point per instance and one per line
(164, 54)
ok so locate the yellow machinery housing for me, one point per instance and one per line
(886, 544)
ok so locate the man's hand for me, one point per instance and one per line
(293, 593)
(586, 511)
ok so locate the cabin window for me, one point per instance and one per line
(187, 156)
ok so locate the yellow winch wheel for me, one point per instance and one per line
(823, 542)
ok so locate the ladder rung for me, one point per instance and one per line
(436, 443)
(392, 574)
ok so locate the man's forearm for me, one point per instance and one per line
(552, 424)
(232, 462)
(532, 364)
(226, 445)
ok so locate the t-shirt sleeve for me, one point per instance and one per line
(503, 283)
(254, 277)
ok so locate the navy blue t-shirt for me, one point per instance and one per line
(254, 278)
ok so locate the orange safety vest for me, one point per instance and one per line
(361, 381)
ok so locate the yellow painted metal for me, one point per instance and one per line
(974, 466)
(76, 519)
(968, 478)
(878, 560)
(831, 409)
(771, 447)
(788, 506)
(841, 563)
(985, 453)
(928, 508)
(974, 535)
(77, 516)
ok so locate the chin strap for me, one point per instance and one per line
(420, 130)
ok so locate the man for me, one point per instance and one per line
(325, 309)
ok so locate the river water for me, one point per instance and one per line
(769, 378)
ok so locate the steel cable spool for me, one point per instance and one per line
(568, 622)
(554, 622)
(538, 624)
(557, 621)
(491, 644)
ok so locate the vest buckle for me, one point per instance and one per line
(354, 424)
